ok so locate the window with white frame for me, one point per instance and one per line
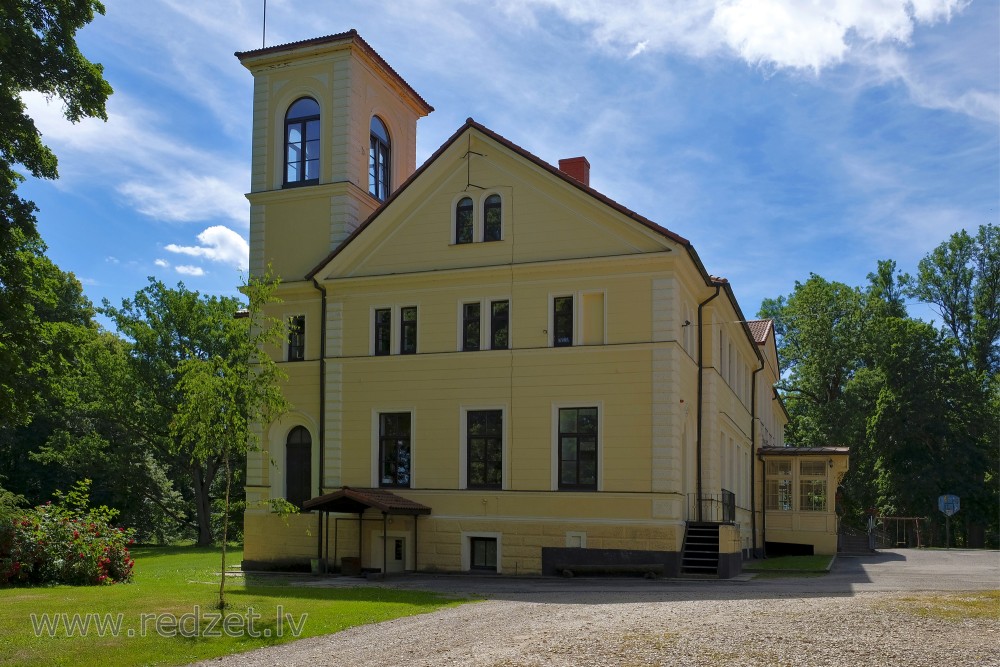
(389, 319)
(562, 321)
(484, 325)
(578, 448)
(484, 449)
(468, 227)
(778, 487)
(296, 343)
(812, 486)
(394, 449)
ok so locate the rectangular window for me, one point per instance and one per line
(779, 495)
(297, 338)
(578, 448)
(779, 486)
(394, 449)
(483, 553)
(484, 438)
(812, 486)
(470, 326)
(383, 330)
(500, 325)
(562, 321)
(408, 330)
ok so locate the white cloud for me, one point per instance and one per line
(779, 33)
(218, 244)
(162, 263)
(188, 270)
(158, 176)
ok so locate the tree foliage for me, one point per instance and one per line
(912, 402)
(167, 330)
(38, 52)
(961, 277)
(223, 397)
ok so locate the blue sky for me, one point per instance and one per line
(782, 137)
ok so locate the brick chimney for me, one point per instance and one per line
(577, 167)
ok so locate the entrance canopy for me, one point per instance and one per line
(347, 500)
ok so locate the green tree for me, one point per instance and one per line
(858, 371)
(961, 277)
(165, 328)
(224, 397)
(818, 328)
(38, 52)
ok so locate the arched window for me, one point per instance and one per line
(491, 218)
(298, 466)
(378, 160)
(302, 142)
(463, 221)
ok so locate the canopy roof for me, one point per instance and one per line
(355, 501)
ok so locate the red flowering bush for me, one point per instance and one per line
(66, 542)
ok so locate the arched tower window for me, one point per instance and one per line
(379, 160)
(302, 142)
(463, 220)
(491, 218)
(298, 466)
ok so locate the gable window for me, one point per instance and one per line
(379, 160)
(394, 449)
(812, 486)
(297, 338)
(383, 330)
(491, 218)
(408, 330)
(463, 221)
(484, 438)
(470, 326)
(298, 466)
(578, 448)
(499, 325)
(302, 142)
(562, 321)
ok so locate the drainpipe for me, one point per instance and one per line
(322, 413)
(753, 459)
(701, 382)
(763, 515)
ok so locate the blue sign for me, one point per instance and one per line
(948, 504)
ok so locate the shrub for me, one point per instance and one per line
(65, 542)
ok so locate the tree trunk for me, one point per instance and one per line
(203, 477)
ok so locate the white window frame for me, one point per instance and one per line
(479, 217)
(285, 346)
(485, 323)
(463, 445)
(395, 326)
(453, 233)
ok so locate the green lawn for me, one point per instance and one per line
(812, 564)
(167, 615)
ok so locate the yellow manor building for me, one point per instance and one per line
(491, 365)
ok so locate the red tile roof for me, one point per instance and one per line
(760, 329)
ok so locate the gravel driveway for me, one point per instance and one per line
(854, 617)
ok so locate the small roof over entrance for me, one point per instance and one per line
(804, 451)
(355, 501)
